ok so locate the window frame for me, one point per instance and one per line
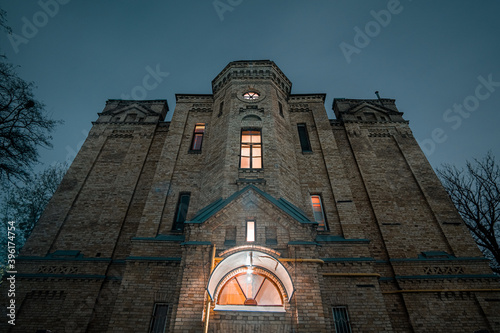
(247, 221)
(304, 138)
(251, 146)
(176, 224)
(153, 317)
(325, 224)
(195, 135)
(347, 324)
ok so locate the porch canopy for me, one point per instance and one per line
(250, 258)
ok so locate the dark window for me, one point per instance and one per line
(130, 117)
(304, 137)
(271, 236)
(221, 106)
(199, 131)
(281, 109)
(230, 236)
(341, 319)
(159, 320)
(251, 150)
(319, 215)
(181, 211)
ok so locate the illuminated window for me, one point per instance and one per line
(199, 131)
(250, 289)
(341, 319)
(251, 95)
(181, 211)
(304, 138)
(159, 319)
(251, 150)
(319, 215)
(250, 231)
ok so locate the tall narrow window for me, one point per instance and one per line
(281, 109)
(319, 215)
(304, 138)
(341, 319)
(159, 320)
(199, 131)
(251, 150)
(251, 231)
(221, 106)
(181, 211)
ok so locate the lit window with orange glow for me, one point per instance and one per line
(319, 215)
(250, 289)
(251, 150)
(199, 131)
(250, 231)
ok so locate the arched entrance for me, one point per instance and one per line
(250, 280)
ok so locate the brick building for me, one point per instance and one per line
(251, 211)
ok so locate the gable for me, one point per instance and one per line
(276, 221)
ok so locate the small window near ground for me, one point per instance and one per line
(199, 131)
(319, 215)
(341, 320)
(159, 319)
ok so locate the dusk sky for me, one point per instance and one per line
(440, 60)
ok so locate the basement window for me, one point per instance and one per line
(159, 319)
(341, 319)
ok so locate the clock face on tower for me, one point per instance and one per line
(251, 95)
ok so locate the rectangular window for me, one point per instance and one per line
(271, 236)
(250, 231)
(305, 144)
(181, 211)
(281, 109)
(230, 236)
(341, 319)
(251, 150)
(199, 131)
(319, 215)
(221, 106)
(159, 320)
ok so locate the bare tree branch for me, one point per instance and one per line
(475, 191)
(24, 125)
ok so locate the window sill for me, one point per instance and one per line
(250, 170)
(307, 152)
(194, 151)
(252, 308)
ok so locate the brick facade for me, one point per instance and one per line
(396, 254)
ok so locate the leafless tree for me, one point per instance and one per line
(24, 126)
(24, 204)
(475, 191)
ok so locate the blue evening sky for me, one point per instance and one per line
(438, 59)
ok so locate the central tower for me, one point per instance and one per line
(253, 142)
